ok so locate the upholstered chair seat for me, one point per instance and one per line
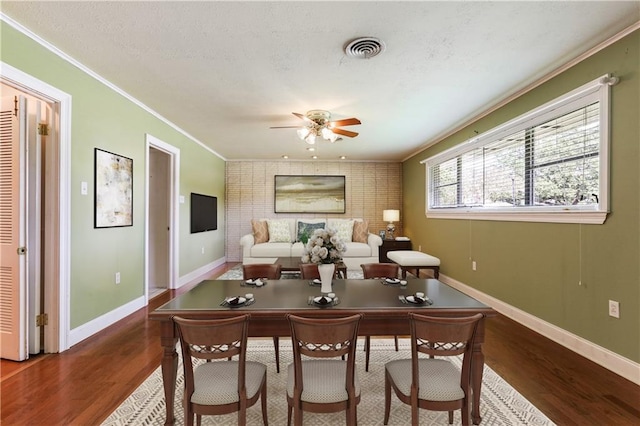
(324, 381)
(439, 379)
(216, 383)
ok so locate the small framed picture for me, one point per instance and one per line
(382, 233)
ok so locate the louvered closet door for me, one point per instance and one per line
(12, 235)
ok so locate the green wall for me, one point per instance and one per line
(104, 119)
(537, 267)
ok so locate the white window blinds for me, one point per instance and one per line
(551, 159)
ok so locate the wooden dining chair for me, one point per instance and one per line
(218, 386)
(378, 270)
(434, 383)
(270, 271)
(324, 383)
(309, 271)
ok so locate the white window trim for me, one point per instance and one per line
(597, 90)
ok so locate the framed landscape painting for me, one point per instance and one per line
(113, 202)
(309, 194)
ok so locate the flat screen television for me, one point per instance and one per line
(204, 213)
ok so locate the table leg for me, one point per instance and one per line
(477, 369)
(169, 368)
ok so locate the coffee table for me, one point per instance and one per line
(292, 264)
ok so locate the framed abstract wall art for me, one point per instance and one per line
(113, 191)
(309, 194)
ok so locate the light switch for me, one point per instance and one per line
(83, 188)
(182, 199)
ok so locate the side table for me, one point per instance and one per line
(391, 245)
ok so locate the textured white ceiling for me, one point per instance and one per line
(225, 72)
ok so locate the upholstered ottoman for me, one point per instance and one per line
(410, 260)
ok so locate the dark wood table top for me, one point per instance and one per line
(279, 297)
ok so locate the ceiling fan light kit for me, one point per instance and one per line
(318, 124)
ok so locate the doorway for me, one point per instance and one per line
(44, 240)
(162, 228)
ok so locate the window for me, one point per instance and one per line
(549, 165)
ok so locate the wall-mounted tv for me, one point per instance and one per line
(204, 213)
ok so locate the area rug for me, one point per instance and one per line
(500, 403)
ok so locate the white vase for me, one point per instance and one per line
(326, 271)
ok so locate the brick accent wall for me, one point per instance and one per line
(370, 188)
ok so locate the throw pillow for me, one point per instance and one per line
(279, 231)
(307, 229)
(344, 228)
(260, 231)
(361, 231)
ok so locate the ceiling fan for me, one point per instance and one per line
(318, 123)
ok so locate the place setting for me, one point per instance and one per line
(258, 282)
(392, 281)
(315, 282)
(418, 298)
(238, 301)
(323, 301)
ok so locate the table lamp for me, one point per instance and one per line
(390, 216)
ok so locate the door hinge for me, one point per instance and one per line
(43, 129)
(22, 251)
(42, 319)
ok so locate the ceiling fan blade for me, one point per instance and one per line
(345, 122)
(344, 133)
(302, 117)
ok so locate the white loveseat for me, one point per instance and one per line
(356, 254)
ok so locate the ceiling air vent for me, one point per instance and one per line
(364, 48)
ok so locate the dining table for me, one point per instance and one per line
(383, 302)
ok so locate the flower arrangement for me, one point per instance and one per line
(324, 246)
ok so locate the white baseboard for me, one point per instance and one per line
(198, 273)
(618, 364)
(90, 328)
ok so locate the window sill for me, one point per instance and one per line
(586, 217)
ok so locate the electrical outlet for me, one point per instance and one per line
(473, 265)
(614, 309)
(419, 248)
(202, 250)
(117, 277)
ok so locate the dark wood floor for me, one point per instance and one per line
(83, 385)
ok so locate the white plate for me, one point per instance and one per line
(416, 300)
(318, 300)
(236, 301)
(392, 280)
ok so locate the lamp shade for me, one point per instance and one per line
(391, 215)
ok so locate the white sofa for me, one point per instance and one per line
(356, 254)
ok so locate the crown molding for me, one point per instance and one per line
(608, 42)
(53, 49)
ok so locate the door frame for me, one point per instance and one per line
(57, 240)
(174, 214)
